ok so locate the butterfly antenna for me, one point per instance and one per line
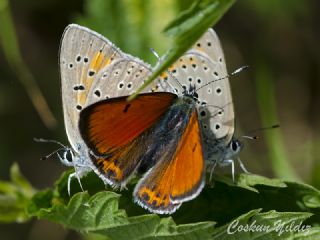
(41, 140)
(264, 128)
(256, 137)
(235, 72)
(49, 155)
(239, 70)
(158, 63)
(250, 137)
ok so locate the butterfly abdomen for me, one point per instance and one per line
(167, 133)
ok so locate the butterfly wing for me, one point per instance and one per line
(216, 97)
(204, 63)
(121, 78)
(174, 178)
(83, 53)
(115, 131)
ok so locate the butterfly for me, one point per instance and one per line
(180, 121)
(204, 67)
(84, 57)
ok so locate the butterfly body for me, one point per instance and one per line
(223, 155)
(166, 134)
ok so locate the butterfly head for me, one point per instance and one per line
(190, 92)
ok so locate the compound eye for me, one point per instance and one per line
(68, 155)
(234, 146)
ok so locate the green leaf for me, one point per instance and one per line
(117, 217)
(248, 181)
(14, 197)
(186, 29)
(100, 214)
(226, 200)
(111, 215)
(41, 200)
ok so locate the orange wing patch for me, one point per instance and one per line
(110, 169)
(118, 165)
(169, 184)
(98, 62)
(188, 164)
(113, 123)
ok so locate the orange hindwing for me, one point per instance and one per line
(168, 184)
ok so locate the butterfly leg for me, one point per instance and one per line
(123, 187)
(80, 167)
(227, 162)
(212, 170)
(69, 182)
(72, 175)
(242, 166)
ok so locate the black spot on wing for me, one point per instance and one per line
(194, 147)
(126, 108)
(145, 196)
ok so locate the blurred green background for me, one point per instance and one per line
(279, 40)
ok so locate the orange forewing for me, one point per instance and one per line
(167, 185)
(113, 123)
(116, 132)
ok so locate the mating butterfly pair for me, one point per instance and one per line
(167, 132)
